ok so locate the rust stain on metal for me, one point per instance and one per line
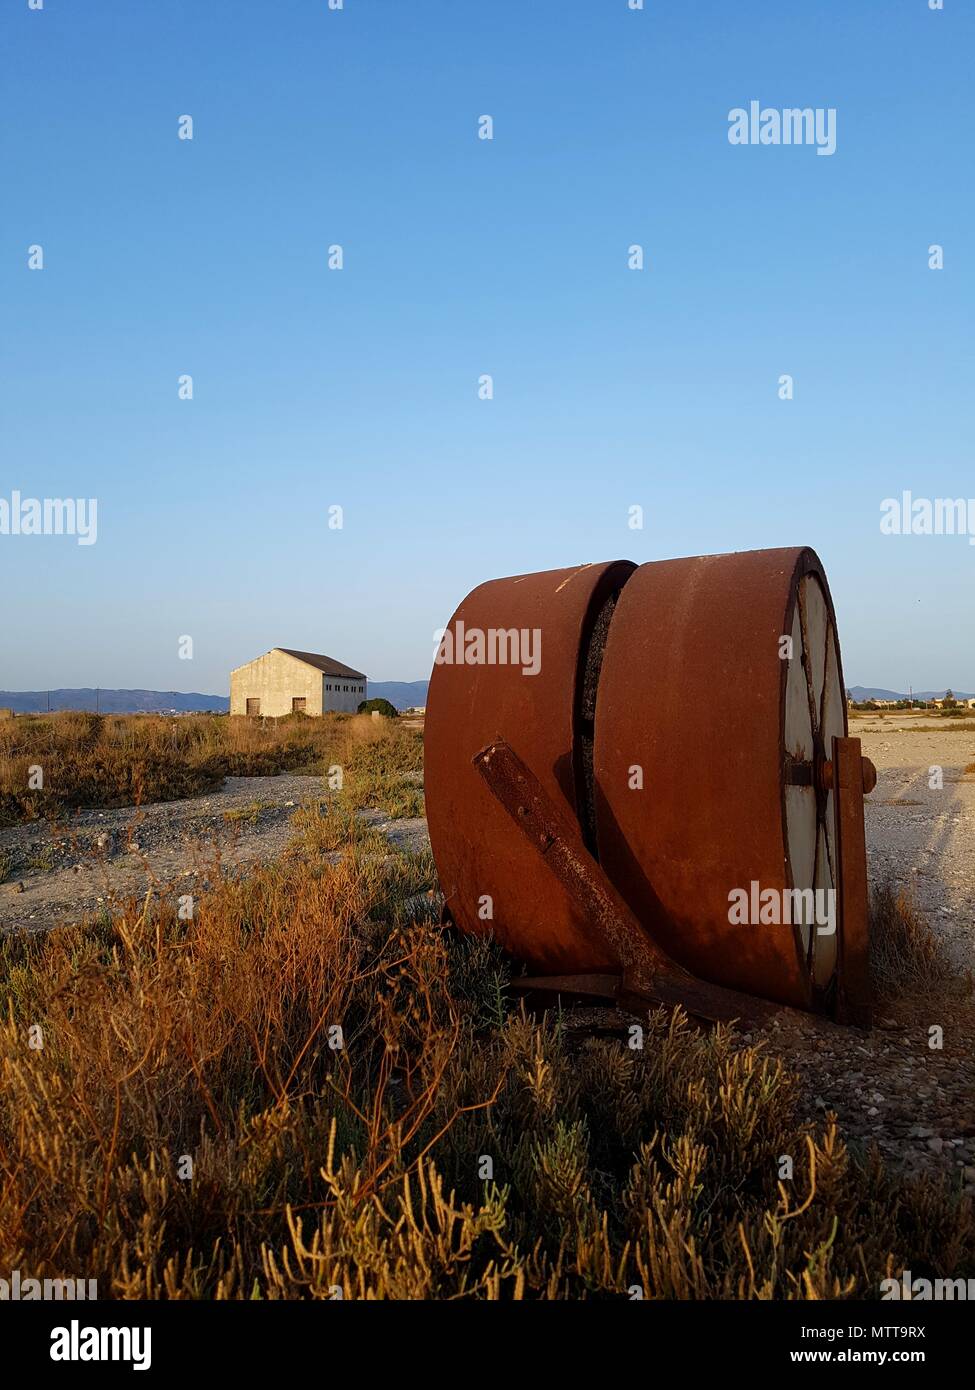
(571, 577)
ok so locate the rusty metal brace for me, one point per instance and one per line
(649, 976)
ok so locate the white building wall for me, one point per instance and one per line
(342, 693)
(275, 680)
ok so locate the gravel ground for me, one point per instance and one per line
(890, 1087)
(887, 1088)
(99, 858)
(923, 837)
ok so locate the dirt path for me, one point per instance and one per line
(923, 836)
(98, 858)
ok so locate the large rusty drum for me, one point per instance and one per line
(683, 714)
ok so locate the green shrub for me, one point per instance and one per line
(380, 706)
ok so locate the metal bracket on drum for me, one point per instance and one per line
(648, 975)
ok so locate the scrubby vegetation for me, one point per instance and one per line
(907, 960)
(309, 1089)
(123, 760)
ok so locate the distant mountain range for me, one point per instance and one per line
(110, 701)
(869, 692)
(401, 694)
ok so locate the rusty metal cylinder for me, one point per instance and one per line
(683, 712)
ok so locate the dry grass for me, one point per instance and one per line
(179, 1117)
(907, 961)
(966, 727)
(451, 1147)
(92, 760)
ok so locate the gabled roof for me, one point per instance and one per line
(323, 663)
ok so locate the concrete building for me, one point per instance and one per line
(288, 682)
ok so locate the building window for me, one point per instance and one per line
(298, 703)
(253, 706)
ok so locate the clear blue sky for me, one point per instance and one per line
(462, 256)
